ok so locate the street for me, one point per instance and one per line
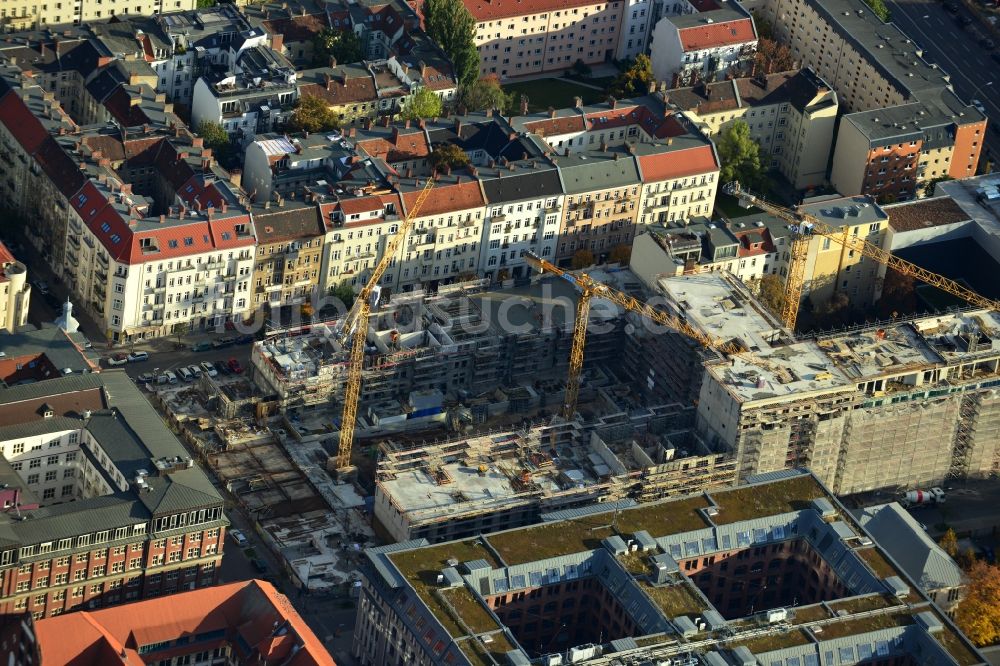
(956, 50)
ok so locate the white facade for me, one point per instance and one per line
(637, 18)
(441, 247)
(514, 228)
(669, 55)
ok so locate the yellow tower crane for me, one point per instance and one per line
(590, 288)
(355, 328)
(802, 226)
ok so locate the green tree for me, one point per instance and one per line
(635, 79)
(580, 68)
(740, 156)
(485, 93)
(949, 543)
(344, 45)
(450, 24)
(423, 104)
(345, 292)
(978, 614)
(582, 258)
(448, 155)
(215, 137)
(880, 10)
(311, 114)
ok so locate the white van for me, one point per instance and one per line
(171, 377)
(185, 374)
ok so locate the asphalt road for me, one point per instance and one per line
(974, 73)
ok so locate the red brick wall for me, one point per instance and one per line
(901, 163)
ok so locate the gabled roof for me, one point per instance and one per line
(294, 221)
(586, 172)
(447, 196)
(677, 163)
(502, 185)
(713, 35)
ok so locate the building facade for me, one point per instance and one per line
(703, 41)
(122, 512)
(15, 291)
(289, 252)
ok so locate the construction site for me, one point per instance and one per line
(900, 404)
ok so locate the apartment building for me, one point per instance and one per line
(15, 291)
(791, 116)
(902, 121)
(619, 584)
(120, 512)
(17, 15)
(516, 39)
(358, 91)
(444, 244)
(254, 96)
(705, 40)
(638, 17)
(358, 229)
(289, 252)
(243, 622)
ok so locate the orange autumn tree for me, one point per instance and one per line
(978, 615)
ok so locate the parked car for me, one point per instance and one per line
(979, 106)
(222, 368)
(234, 365)
(136, 357)
(209, 369)
(224, 341)
(244, 340)
(194, 370)
(42, 286)
(145, 378)
(260, 565)
(201, 346)
(167, 377)
(238, 538)
(963, 20)
(116, 360)
(185, 374)
(987, 43)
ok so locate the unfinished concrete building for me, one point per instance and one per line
(904, 404)
(456, 343)
(509, 478)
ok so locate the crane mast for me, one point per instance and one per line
(355, 327)
(803, 226)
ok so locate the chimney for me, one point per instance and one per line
(524, 105)
(224, 206)
(652, 87)
(617, 155)
(458, 180)
(473, 170)
(421, 124)
(163, 218)
(577, 102)
(409, 172)
(197, 205)
(489, 113)
(329, 81)
(395, 135)
(446, 169)
(407, 125)
(352, 132)
(384, 120)
(458, 125)
(277, 42)
(604, 146)
(206, 164)
(367, 124)
(552, 112)
(612, 102)
(512, 136)
(126, 188)
(567, 152)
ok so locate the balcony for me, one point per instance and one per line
(555, 208)
(497, 218)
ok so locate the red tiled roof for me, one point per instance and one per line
(659, 127)
(447, 197)
(297, 28)
(28, 131)
(6, 256)
(677, 164)
(712, 35)
(556, 126)
(341, 91)
(119, 104)
(490, 10)
(360, 205)
(408, 145)
(748, 237)
(250, 610)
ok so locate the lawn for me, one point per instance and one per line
(731, 207)
(557, 93)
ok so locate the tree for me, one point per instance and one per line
(583, 258)
(306, 309)
(344, 45)
(740, 156)
(311, 114)
(978, 614)
(580, 68)
(764, 28)
(448, 155)
(949, 543)
(635, 79)
(344, 292)
(423, 104)
(771, 291)
(485, 93)
(928, 186)
(216, 137)
(450, 24)
(772, 57)
(880, 10)
(620, 254)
